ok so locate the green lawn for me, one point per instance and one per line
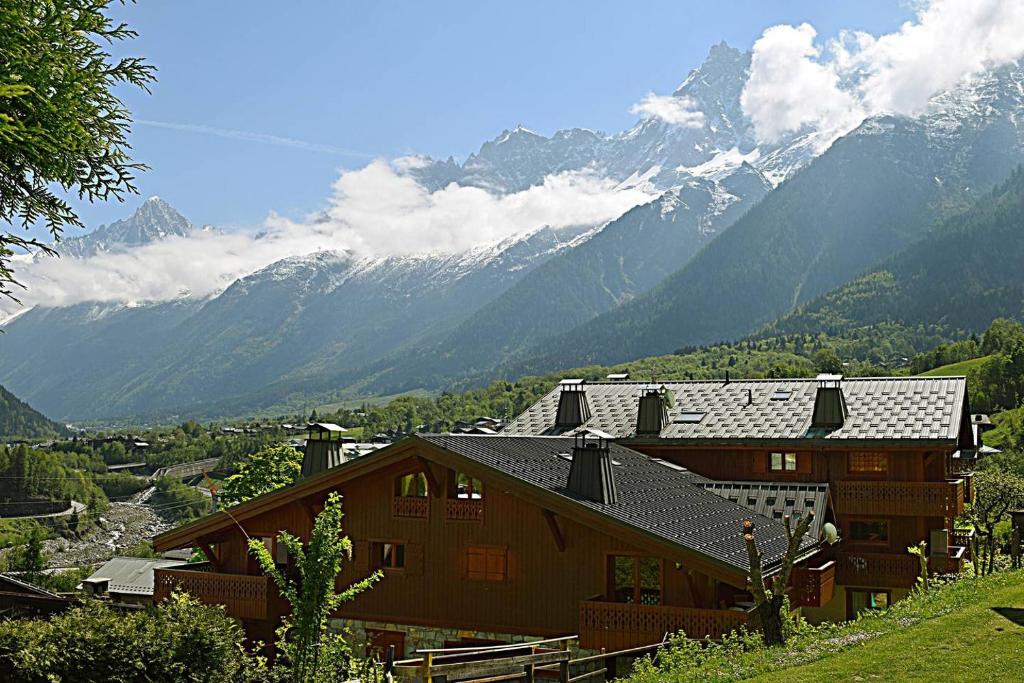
(974, 643)
(961, 368)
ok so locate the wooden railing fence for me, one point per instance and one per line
(546, 659)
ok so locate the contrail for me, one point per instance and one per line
(250, 136)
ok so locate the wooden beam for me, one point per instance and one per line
(556, 531)
(210, 555)
(435, 486)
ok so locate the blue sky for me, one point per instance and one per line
(383, 79)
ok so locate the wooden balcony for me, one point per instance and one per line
(877, 570)
(913, 498)
(813, 586)
(619, 626)
(893, 570)
(410, 506)
(464, 509)
(243, 596)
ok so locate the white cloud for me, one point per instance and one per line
(795, 83)
(790, 88)
(373, 211)
(678, 111)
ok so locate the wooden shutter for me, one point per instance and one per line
(476, 563)
(804, 462)
(760, 464)
(361, 555)
(497, 564)
(413, 559)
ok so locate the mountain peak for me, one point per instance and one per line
(152, 221)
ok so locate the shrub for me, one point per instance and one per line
(181, 640)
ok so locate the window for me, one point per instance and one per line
(635, 580)
(869, 531)
(391, 555)
(412, 485)
(869, 463)
(487, 563)
(783, 462)
(467, 487)
(861, 601)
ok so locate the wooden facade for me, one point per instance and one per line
(502, 563)
(885, 499)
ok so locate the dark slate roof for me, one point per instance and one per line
(654, 497)
(883, 408)
(776, 499)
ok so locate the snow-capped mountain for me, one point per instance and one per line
(154, 220)
(665, 154)
(737, 232)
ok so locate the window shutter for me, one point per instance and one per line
(476, 567)
(361, 555)
(413, 559)
(497, 564)
(803, 462)
(760, 463)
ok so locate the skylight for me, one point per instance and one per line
(781, 395)
(689, 418)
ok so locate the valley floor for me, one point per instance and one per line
(983, 641)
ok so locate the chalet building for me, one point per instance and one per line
(491, 538)
(894, 453)
(614, 510)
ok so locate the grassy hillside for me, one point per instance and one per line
(962, 368)
(19, 420)
(970, 630)
(980, 641)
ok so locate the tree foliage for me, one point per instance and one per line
(180, 640)
(61, 123)
(267, 470)
(997, 491)
(310, 651)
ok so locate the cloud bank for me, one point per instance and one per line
(678, 111)
(374, 211)
(795, 82)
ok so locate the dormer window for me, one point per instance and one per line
(412, 485)
(411, 496)
(465, 498)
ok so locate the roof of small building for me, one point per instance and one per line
(655, 497)
(130, 574)
(327, 427)
(776, 499)
(880, 408)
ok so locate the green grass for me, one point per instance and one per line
(975, 643)
(961, 368)
(964, 631)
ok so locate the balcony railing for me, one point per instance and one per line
(893, 570)
(915, 498)
(243, 596)
(877, 570)
(464, 509)
(619, 626)
(410, 506)
(813, 586)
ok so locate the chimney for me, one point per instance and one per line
(573, 409)
(323, 449)
(830, 410)
(590, 474)
(652, 413)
